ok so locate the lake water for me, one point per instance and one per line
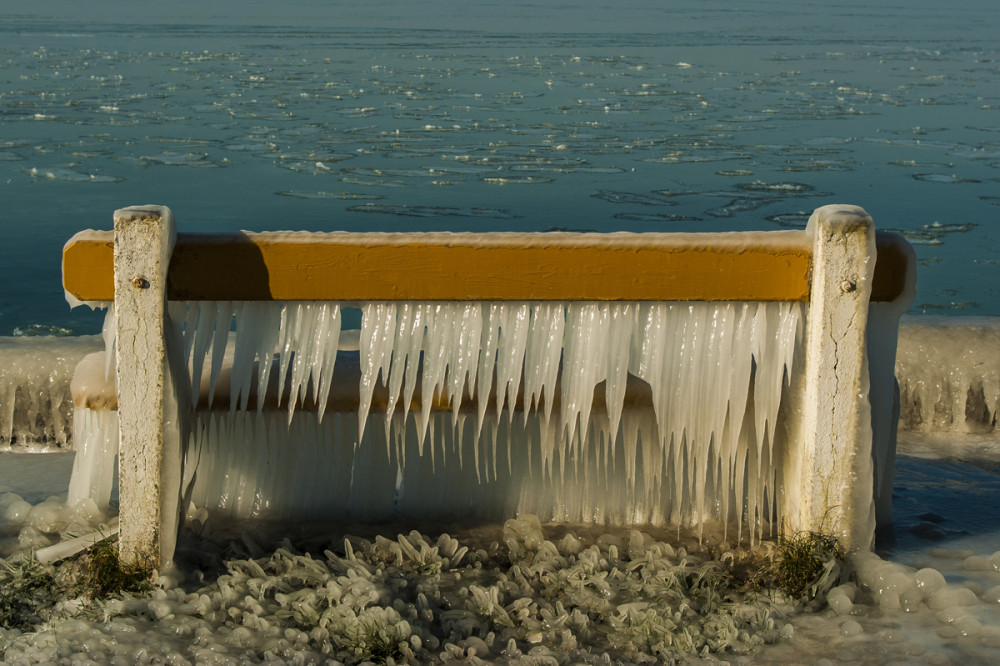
(642, 115)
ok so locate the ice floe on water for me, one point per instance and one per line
(516, 180)
(934, 233)
(652, 199)
(435, 211)
(656, 217)
(71, 175)
(345, 196)
(950, 179)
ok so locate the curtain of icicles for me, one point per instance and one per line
(485, 410)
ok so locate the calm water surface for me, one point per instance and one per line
(646, 116)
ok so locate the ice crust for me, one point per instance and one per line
(36, 406)
(488, 410)
(949, 374)
(525, 592)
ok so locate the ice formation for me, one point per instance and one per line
(514, 593)
(96, 435)
(35, 403)
(949, 374)
(622, 413)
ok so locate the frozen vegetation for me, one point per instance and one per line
(517, 594)
(522, 593)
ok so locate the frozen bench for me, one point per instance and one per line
(853, 309)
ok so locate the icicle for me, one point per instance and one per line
(251, 324)
(584, 365)
(436, 349)
(329, 356)
(203, 334)
(268, 319)
(223, 323)
(190, 311)
(378, 331)
(465, 323)
(109, 334)
(414, 354)
(542, 353)
(306, 354)
(621, 324)
(489, 345)
(510, 355)
(96, 434)
(295, 348)
(405, 350)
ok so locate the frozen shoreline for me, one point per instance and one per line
(948, 370)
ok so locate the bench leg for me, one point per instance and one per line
(144, 239)
(834, 440)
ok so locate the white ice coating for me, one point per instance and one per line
(96, 433)
(35, 400)
(948, 370)
(692, 442)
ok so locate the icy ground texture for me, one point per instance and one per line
(525, 594)
(522, 596)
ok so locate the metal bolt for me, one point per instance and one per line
(847, 286)
(140, 282)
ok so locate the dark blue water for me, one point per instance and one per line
(644, 116)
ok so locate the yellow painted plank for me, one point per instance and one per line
(88, 265)
(552, 266)
(478, 267)
(366, 267)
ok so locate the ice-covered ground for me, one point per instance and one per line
(554, 600)
(946, 502)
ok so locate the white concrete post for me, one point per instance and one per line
(835, 439)
(144, 240)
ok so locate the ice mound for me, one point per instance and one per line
(521, 594)
(949, 374)
(24, 526)
(36, 407)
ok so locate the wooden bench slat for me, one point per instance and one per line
(464, 267)
(479, 267)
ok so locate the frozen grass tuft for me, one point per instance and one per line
(32, 593)
(27, 590)
(804, 566)
(104, 575)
